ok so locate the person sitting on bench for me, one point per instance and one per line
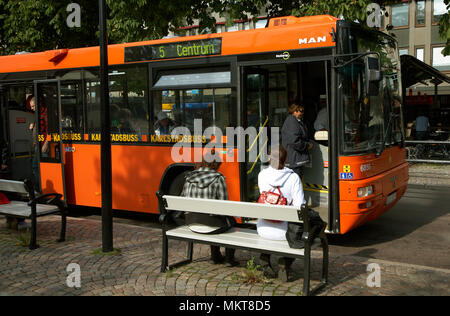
(275, 177)
(206, 182)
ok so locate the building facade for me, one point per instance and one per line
(415, 24)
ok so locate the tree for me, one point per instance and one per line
(37, 25)
(136, 20)
(444, 28)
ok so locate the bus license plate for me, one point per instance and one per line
(391, 198)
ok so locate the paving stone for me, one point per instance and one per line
(136, 270)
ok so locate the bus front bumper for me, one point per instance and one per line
(388, 188)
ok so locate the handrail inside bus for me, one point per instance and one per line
(257, 158)
(257, 136)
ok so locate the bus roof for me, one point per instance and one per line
(282, 34)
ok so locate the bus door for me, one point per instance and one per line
(16, 134)
(255, 117)
(49, 132)
(316, 98)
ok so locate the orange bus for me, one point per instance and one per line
(245, 78)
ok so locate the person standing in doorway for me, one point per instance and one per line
(295, 139)
(43, 130)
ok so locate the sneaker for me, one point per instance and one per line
(284, 265)
(230, 262)
(266, 266)
(217, 259)
(283, 274)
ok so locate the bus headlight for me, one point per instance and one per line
(365, 191)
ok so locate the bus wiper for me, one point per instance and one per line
(388, 127)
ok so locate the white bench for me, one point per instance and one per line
(35, 207)
(242, 238)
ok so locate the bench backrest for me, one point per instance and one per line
(232, 208)
(13, 186)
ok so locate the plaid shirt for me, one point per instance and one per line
(205, 183)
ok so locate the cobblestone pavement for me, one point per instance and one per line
(135, 270)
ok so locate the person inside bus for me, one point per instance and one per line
(295, 139)
(124, 124)
(277, 175)
(164, 125)
(43, 130)
(115, 110)
(207, 183)
(66, 120)
(321, 122)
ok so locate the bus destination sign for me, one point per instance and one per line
(206, 47)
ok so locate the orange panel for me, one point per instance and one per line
(51, 178)
(136, 175)
(388, 174)
(82, 173)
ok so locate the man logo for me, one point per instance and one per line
(312, 40)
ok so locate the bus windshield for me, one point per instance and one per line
(369, 121)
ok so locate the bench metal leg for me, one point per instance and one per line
(190, 251)
(165, 253)
(306, 270)
(324, 279)
(33, 243)
(325, 261)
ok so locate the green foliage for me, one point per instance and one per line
(39, 25)
(24, 239)
(350, 10)
(115, 252)
(252, 274)
(444, 29)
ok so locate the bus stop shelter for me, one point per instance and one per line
(416, 71)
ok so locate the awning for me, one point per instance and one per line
(415, 71)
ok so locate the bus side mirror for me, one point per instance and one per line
(373, 75)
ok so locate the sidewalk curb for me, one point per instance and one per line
(386, 263)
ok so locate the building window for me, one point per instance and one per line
(403, 51)
(219, 28)
(440, 61)
(260, 24)
(233, 28)
(439, 9)
(246, 25)
(420, 53)
(400, 14)
(420, 13)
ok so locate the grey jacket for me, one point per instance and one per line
(295, 139)
(206, 183)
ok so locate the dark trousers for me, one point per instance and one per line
(299, 171)
(422, 135)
